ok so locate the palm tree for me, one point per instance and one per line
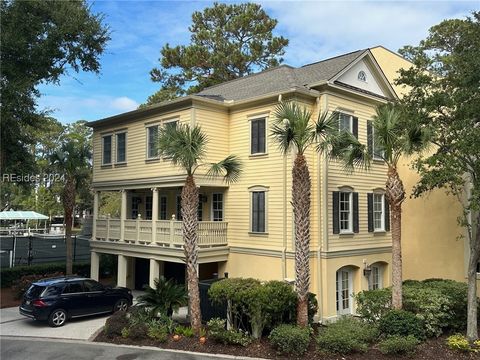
(72, 160)
(186, 147)
(293, 130)
(391, 138)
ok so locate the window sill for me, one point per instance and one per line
(378, 161)
(106, 166)
(252, 233)
(347, 233)
(121, 164)
(152, 160)
(258, 156)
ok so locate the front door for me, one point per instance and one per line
(344, 292)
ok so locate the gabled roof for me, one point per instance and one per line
(280, 78)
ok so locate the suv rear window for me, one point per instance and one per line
(35, 291)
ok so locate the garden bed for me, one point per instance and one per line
(434, 349)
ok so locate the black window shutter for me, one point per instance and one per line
(387, 215)
(370, 211)
(370, 137)
(355, 126)
(261, 136)
(336, 215)
(355, 213)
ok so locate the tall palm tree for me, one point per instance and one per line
(392, 137)
(293, 130)
(186, 148)
(72, 160)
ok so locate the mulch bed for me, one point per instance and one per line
(433, 349)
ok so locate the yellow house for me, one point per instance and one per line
(246, 228)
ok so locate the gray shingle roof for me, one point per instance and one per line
(280, 78)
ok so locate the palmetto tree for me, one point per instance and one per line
(391, 137)
(165, 297)
(72, 160)
(186, 148)
(293, 130)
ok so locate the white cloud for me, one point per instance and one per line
(71, 108)
(325, 28)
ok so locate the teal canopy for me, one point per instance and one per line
(21, 215)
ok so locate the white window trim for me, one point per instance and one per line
(340, 112)
(253, 118)
(116, 147)
(350, 208)
(381, 270)
(223, 207)
(112, 147)
(251, 190)
(364, 74)
(382, 228)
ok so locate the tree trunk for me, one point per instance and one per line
(395, 194)
(301, 187)
(190, 237)
(472, 330)
(68, 205)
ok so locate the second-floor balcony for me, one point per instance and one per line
(166, 233)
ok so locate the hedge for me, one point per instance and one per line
(9, 275)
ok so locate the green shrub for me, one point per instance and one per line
(21, 285)
(290, 339)
(218, 333)
(138, 315)
(398, 345)
(164, 298)
(402, 323)
(116, 323)
(138, 331)
(430, 305)
(157, 332)
(347, 335)
(373, 304)
(186, 331)
(9, 275)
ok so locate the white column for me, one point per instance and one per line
(154, 272)
(95, 214)
(94, 265)
(123, 214)
(154, 214)
(122, 271)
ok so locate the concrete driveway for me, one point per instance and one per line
(14, 324)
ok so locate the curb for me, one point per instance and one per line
(152, 348)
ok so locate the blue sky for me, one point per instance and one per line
(316, 29)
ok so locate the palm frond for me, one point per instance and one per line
(325, 127)
(182, 145)
(230, 168)
(292, 127)
(348, 150)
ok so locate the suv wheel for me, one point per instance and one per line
(57, 318)
(121, 305)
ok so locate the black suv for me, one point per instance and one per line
(62, 298)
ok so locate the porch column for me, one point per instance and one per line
(123, 214)
(95, 215)
(122, 271)
(94, 265)
(156, 270)
(154, 214)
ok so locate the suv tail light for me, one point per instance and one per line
(39, 303)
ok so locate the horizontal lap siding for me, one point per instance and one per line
(136, 167)
(215, 124)
(362, 182)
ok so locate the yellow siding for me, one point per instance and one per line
(362, 182)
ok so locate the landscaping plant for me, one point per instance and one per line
(398, 345)
(346, 335)
(373, 304)
(217, 332)
(164, 298)
(290, 339)
(402, 323)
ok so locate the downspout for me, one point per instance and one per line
(284, 186)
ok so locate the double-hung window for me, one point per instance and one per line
(378, 151)
(258, 212)
(345, 209)
(258, 129)
(121, 142)
(217, 207)
(345, 122)
(378, 212)
(152, 134)
(163, 207)
(148, 207)
(106, 149)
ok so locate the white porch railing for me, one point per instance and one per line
(168, 232)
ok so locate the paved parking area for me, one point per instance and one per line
(14, 324)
